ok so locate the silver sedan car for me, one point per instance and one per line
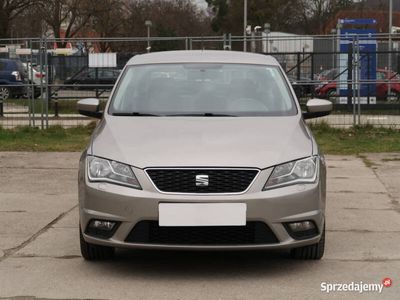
(202, 150)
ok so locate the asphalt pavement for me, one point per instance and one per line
(40, 258)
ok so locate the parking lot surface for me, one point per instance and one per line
(40, 257)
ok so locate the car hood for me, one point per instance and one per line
(258, 142)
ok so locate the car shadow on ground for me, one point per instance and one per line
(201, 264)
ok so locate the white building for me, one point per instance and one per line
(282, 42)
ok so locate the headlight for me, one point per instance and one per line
(100, 169)
(300, 171)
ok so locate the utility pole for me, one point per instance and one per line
(245, 26)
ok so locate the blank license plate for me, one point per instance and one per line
(202, 214)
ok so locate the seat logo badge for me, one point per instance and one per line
(202, 180)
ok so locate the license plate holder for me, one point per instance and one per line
(202, 214)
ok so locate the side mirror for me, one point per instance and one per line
(317, 108)
(90, 107)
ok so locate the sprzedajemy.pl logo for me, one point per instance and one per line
(358, 287)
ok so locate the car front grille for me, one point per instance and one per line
(185, 180)
(149, 232)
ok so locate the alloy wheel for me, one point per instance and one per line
(4, 93)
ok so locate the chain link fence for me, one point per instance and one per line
(42, 79)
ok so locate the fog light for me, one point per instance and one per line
(301, 230)
(101, 228)
(301, 226)
(102, 225)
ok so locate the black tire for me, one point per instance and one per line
(394, 98)
(331, 93)
(95, 252)
(36, 92)
(310, 252)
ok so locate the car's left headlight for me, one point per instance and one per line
(294, 172)
(100, 169)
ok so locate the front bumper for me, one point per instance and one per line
(105, 201)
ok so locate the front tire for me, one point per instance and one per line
(331, 93)
(393, 98)
(94, 252)
(310, 252)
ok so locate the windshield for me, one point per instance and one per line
(203, 89)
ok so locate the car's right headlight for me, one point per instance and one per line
(100, 169)
(294, 172)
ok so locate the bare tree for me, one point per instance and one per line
(170, 18)
(107, 20)
(9, 10)
(65, 17)
(316, 13)
(228, 15)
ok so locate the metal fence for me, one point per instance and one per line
(57, 74)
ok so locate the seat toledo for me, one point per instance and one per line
(202, 150)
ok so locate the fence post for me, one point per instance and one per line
(32, 94)
(41, 48)
(97, 80)
(368, 76)
(358, 56)
(56, 109)
(312, 73)
(349, 76)
(298, 66)
(224, 41)
(46, 64)
(353, 63)
(31, 86)
(398, 70)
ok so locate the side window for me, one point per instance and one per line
(2, 66)
(380, 75)
(20, 66)
(82, 74)
(107, 74)
(91, 73)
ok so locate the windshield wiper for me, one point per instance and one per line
(201, 115)
(134, 114)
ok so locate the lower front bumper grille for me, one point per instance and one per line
(149, 232)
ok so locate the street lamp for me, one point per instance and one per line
(148, 24)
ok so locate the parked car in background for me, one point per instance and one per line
(205, 150)
(13, 79)
(303, 86)
(36, 77)
(87, 78)
(328, 74)
(328, 89)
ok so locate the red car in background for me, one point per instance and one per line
(328, 89)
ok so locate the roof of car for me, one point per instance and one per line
(202, 56)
